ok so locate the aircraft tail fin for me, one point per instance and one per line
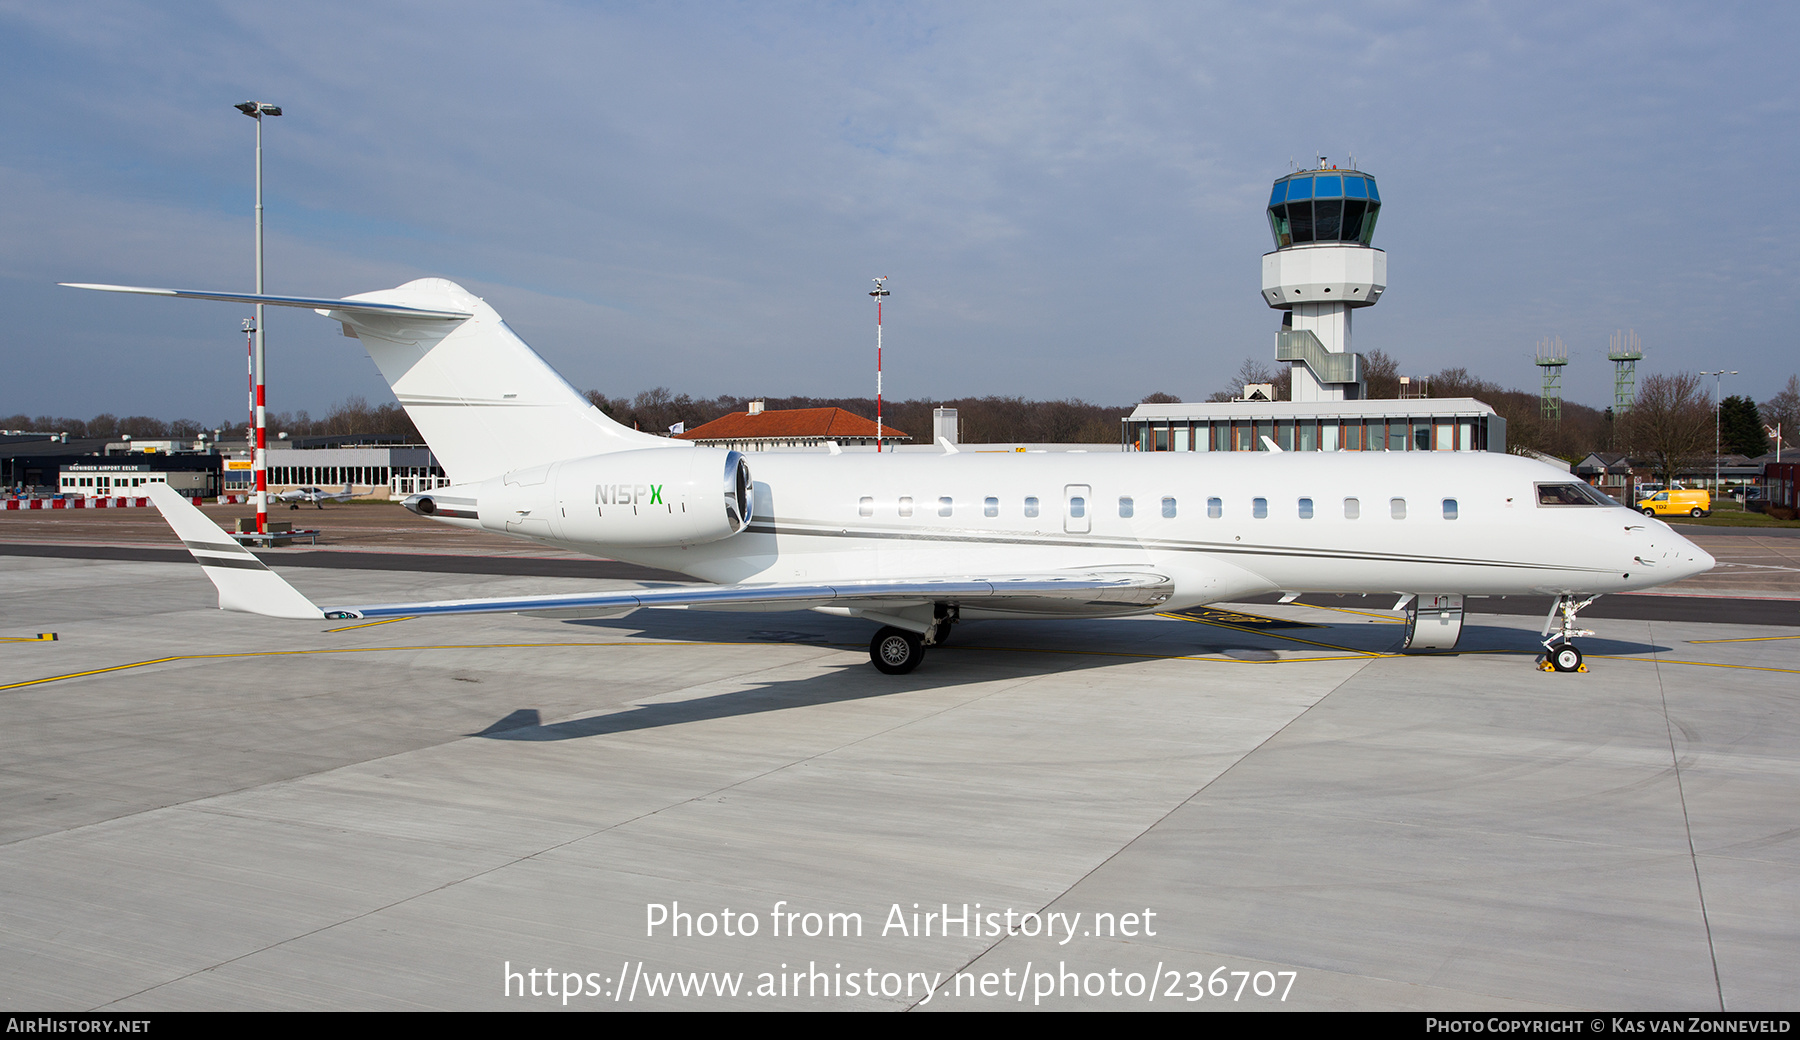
(244, 582)
(484, 400)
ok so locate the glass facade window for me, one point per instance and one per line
(1309, 434)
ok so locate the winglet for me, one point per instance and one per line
(243, 581)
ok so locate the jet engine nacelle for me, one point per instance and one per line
(650, 497)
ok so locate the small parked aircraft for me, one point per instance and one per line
(294, 497)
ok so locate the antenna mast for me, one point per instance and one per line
(1626, 352)
(1551, 357)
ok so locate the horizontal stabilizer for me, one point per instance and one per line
(308, 302)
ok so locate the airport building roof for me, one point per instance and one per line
(1363, 409)
(759, 429)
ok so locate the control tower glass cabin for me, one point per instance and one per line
(1323, 267)
(1324, 206)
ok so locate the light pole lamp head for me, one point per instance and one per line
(257, 109)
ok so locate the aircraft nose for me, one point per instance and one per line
(1690, 559)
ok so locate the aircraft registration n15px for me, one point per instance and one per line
(915, 542)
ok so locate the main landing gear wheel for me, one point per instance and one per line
(896, 651)
(1566, 658)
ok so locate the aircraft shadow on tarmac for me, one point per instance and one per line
(981, 651)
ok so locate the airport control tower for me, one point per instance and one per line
(1322, 269)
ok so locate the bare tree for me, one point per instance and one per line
(1783, 411)
(1251, 371)
(1381, 374)
(1672, 423)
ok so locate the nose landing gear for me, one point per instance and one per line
(1560, 652)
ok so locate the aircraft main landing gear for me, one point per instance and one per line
(1560, 652)
(896, 651)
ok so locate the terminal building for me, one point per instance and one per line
(1324, 269)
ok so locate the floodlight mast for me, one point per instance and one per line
(1718, 408)
(259, 451)
(878, 292)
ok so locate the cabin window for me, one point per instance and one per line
(865, 507)
(1449, 508)
(1168, 509)
(1259, 508)
(1306, 509)
(1031, 507)
(1077, 506)
(1125, 506)
(1214, 508)
(944, 506)
(1397, 508)
(906, 506)
(990, 507)
(1352, 509)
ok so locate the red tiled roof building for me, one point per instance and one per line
(760, 430)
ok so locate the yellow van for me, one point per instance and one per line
(1677, 503)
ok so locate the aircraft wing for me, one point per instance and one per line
(245, 583)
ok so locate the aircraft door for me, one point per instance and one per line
(1078, 507)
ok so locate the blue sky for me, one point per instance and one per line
(1068, 198)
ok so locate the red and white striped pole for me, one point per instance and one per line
(256, 110)
(255, 429)
(878, 292)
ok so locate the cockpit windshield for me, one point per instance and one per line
(1572, 494)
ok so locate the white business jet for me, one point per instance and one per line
(294, 497)
(915, 543)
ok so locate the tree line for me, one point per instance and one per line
(1672, 424)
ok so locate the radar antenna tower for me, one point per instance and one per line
(1626, 352)
(1551, 357)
